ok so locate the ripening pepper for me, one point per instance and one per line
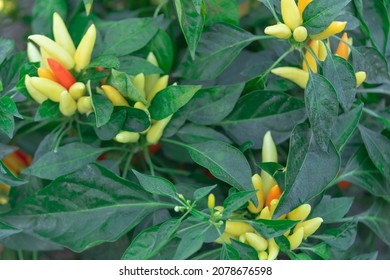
(46, 73)
(322, 52)
(269, 154)
(114, 96)
(296, 75)
(310, 59)
(334, 28)
(343, 49)
(156, 130)
(302, 5)
(62, 75)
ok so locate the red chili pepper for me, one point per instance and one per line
(344, 184)
(24, 157)
(100, 69)
(154, 148)
(63, 76)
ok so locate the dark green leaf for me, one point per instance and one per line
(105, 61)
(345, 126)
(342, 76)
(218, 47)
(109, 130)
(192, 133)
(378, 147)
(76, 200)
(277, 171)
(63, 160)
(229, 252)
(6, 47)
(48, 110)
(10, 69)
(341, 238)
(122, 82)
(7, 123)
(191, 242)
(261, 111)
(319, 14)
(212, 105)
(7, 230)
(150, 241)
(236, 200)
(102, 106)
(8, 178)
(245, 251)
(271, 228)
(161, 46)
(332, 210)
(171, 99)
(127, 36)
(322, 250)
(309, 170)
(377, 219)
(156, 185)
(137, 120)
(321, 108)
(202, 192)
(191, 15)
(43, 15)
(6, 150)
(225, 11)
(134, 65)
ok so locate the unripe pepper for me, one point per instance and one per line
(77, 90)
(263, 256)
(279, 30)
(310, 59)
(63, 76)
(269, 154)
(334, 28)
(156, 130)
(360, 78)
(309, 226)
(158, 86)
(296, 238)
(150, 80)
(300, 213)
(54, 50)
(35, 94)
(256, 241)
(46, 73)
(257, 185)
(265, 214)
(139, 84)
(127, 137)
(296, 75)
(61, 34)
(273, 249)
(238, 228)
(33, 53)
(290, 13)
(211, 201)
(114, 96)
(300, 34)
(50, 89)
(68, 105)
(343, 49)
(83, 53)
(84, 105)
(322, 52)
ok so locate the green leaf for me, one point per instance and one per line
(332, 210)
(150, 241)
(377, 219)
(171, 99)
(7, 230)
(127, 36)
(342, 237)
(309, 170)
(156, 185)
(122, 82)
(321, 108)
(236, 200)
(102, 106)
(212, 105)
(88, 6)
(277, 171)
(42, 15)
(342, 76)
(76, 200)
(7, 104)
(109, 130)
(191, 242)
(48, 110)
(63, 160)
(137, 120)
(225, 11)
(345, 126)
(372, 62)
(361, 171)
(229, 252)
(7, 123)
(6, 150)
(378, 147)
(322, 250)
(202, 192)
(134, 65)
(192, 133)
(218, 47)
(245, 251)
(6, 47)
(191, 15)
(260, 111)
(319, 14)
(224, 161)
(162, 47)
(105, 61)
(8, 178)
(271, 228)
(10, 69)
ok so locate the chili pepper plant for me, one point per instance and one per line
(210, 129)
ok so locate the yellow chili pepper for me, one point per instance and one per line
(269, 154)
(273, 249)
(263, 256)
(225, 238)
(265, 214)
(114, 96)
(77, 90)
(238, 228)
(68, 105)
(50, 89)
(279, 30)
(310, 59)
(274, 193)
(61, 34)
(300, 34)
(46, 73)
(302, 5)
(296, 75)
(256, 241)
(334, 28)
(296, 238)
(139, 84)
(34, 93)
(309, 226)
(83, 53)
(322, 52)
(290, 13)
(343, 49)
(127, 137)
(158, 86)
(211, 201)
(156, 130)
(360, 78)
(33, 53)
(300, 213)
(257, 185)
(84, 105)
(150, 80)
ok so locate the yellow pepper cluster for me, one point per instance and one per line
(318, 48)
(268, 199)
(148, 86)
(15, 162)
(58, 58)
(292, 23)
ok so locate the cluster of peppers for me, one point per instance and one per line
(60, 60)
(15, 162)
(268, 194)
(291, 28)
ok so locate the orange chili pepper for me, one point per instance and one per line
(344, 184)
(343, 49)
(46, 73)
(63, 76)
(274, 193)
